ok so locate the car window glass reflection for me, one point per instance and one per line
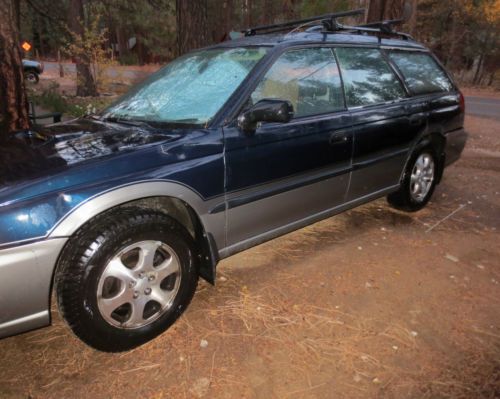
(368, 78)
(421, 72)
(308, 78)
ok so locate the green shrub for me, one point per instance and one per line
(52, 101)
(129, 59)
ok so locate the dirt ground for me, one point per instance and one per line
(373, 303)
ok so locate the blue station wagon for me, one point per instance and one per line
(119, 213)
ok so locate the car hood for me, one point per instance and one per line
(46, 150)
(47, 172)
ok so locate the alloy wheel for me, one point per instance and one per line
(139, 284)
(422, 177)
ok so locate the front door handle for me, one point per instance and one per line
(337, 138)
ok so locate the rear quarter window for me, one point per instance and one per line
(421, 72)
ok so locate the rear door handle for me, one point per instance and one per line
(338, 138)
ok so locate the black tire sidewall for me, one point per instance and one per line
(91, 326)
(35, 77)
(402, 198)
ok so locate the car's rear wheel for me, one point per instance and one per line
(125, 278)
(419, 182)
(31, 76)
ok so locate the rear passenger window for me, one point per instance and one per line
(308, 78)
(368, 78)
(422, 74)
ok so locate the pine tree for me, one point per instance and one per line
(13, 103)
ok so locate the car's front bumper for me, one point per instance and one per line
(25, 281)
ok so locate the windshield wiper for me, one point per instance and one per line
(122, 121)
(187, 120)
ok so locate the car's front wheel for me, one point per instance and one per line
(125, 278)
(418, 183)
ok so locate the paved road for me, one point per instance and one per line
(482, 106)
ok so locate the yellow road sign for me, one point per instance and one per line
(26, 46)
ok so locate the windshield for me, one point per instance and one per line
(189, 90)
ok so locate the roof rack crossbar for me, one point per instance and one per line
(377, 28)
(385, 23)
(384, 27)
(330, 25)
(298, 22)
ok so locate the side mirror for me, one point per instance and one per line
(267, 110)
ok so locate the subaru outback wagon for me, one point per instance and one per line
(118, 214)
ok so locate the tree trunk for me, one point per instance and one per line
(85, 83)
(222, 12)
(248, 13)
(228, 16)
(412, 21)
(479, 68)
(379, 10)
(192, 25)
(267, 15)
(121, 38)
(376, 9)
(14, 102)
(291, 9)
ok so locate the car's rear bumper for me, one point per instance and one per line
(25, 282)
(455, 143)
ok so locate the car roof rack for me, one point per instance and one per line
(264, 29)
(380, 28)
(330, 25)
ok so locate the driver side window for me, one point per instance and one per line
(308, 78)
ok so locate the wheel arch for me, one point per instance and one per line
(176, 200)
(437, 140)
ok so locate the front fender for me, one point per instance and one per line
(212, 223)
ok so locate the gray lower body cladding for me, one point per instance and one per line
(25, 279)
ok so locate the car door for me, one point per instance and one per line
(385, 121)
(286, 173)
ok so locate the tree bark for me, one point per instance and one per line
(479, 68)
(248, 13)
(121, 38)
(412, 21)
(267, 16)
(85, 83)
(291, 9)
(376, 9)
(228, 16)
(192, 25)
(379, 10)
(14, 102)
